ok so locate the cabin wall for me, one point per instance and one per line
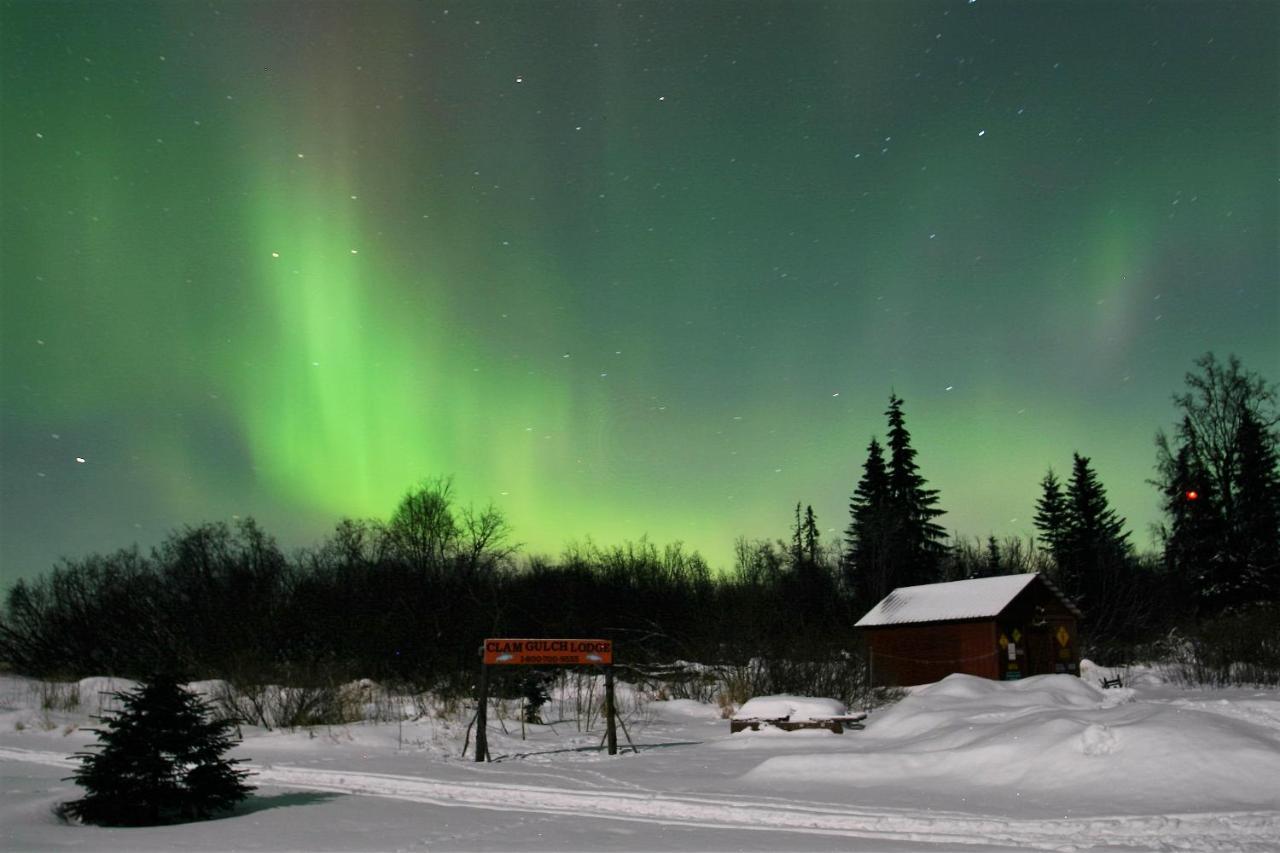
(903, 655)
(1047, 632)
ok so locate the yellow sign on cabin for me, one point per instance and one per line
(1063, 636)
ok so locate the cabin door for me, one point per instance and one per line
(1040, 650)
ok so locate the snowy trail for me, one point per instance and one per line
(1237, 831)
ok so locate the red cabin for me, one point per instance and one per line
(1002, 628)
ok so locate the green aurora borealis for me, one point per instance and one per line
(622, 269)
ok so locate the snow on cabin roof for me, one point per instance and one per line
(943, 602)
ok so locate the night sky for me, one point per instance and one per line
(621, 268)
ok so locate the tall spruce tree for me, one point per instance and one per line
(809, 588)
(1096, 551)
(892, 537)
(919, 544)
(869, 537)
(1258, 511)
(1223, 546)
(1051, 515)
(811, 544)
(797, 539)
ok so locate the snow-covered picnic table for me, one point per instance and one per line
(794, 712)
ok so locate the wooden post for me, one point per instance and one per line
(623, 723)
(610, 711)
(482, 715)
(871, 673)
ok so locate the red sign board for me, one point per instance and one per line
(548, 652)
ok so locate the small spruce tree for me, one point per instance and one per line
(160, 762)
(993, 567)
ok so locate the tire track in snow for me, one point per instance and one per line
(1237, 831)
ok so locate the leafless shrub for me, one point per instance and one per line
(836, 675)
(1235, 650)
(273, 706)
(680, 680)
(58, 695)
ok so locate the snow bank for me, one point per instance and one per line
(97, 694)
(683, 709)
(973, 699)
(797, 708)
(1053, 738)
(1130, 675)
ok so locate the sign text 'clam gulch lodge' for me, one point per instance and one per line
(534, 652)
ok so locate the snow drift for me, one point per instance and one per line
(1051, 739)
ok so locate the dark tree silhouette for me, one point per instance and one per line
(919, 543)
(422, 530)
(869, 537)
(1097, 567)
(1096, 541)
(1258, 512)
(161, 762)
(811, 538)
(1224, 545)
(1051, 515)
(993, 567)
(1194, 562)
(892, 539)
(797, 539)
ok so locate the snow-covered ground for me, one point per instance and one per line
(1052, 762)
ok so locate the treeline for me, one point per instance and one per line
(409, 599)
(1218, 478)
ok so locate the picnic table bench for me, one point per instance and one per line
(835, 724)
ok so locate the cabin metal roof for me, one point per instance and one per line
(946, 602)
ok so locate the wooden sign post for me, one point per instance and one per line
(482, 714)
(542, 652)
(610, 714)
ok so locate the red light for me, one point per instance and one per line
(1192, 494)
